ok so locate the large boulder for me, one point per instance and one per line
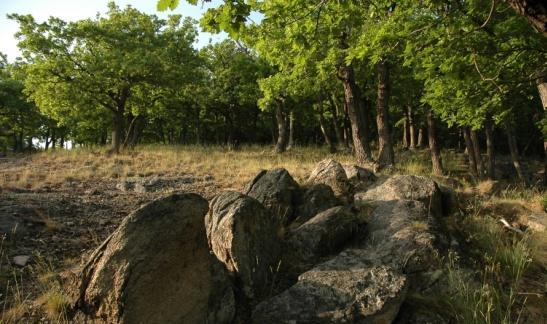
(351, 288)
(332, 173)
(323, 234)
(156, 268)
(406, 187)
(277, 191)
(401, 234)
(242, 234)
(359, 177)
(365, 284)
(317, 198)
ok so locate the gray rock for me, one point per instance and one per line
(317, 198)
(406, 187)
(156, 268)
(243, 235)
(331, 173)
(351, 288)
(277, 191)
(401, 234)
(21, 260)
(323, 234)
(366, 284)
(359, 177)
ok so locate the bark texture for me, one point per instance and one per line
(535, 11)
(352, 95)
(385, 147)
(436, 161)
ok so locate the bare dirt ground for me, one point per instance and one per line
(58, 225)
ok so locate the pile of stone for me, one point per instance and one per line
(344, 247)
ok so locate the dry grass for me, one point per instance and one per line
(231, 169)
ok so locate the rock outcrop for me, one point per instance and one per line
(406, 187)
(368, 282)
(359, 177)
(156, 268)
(347, 289)
(323, 234)
(331, 172)
(242, 234)
(277, 191)
(317, 198)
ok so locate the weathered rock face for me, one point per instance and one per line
(277, 191)
(317, 198)
(323, 234)
(400, 234)
(359, 177)
(351, 288)
(243, 235)
(366, 284)
(331, 173)
(156, 268)
(406, 187)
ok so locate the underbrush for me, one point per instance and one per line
(486, 277)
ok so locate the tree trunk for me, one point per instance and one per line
(283, 136)
(406, 131)
(535, 11)
(53, 138)
(421, 137)
(436, 160)
(324, 131)
(291, 130)
(333, 106)
(47, 139)
(385, 147)
(411, 127)
(117, 131)
(490, 153)
(470, 151)
(513, 149)
(542, 89)
(477, 152)
(352, 95)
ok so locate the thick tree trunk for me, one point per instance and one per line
(535, 11)
(385, 147)
(490, 151)
(411, 127)
(352, 95)
(513, 149)
(477, 152)
(282, 131)
(542, 89)
(436, 160)
(291, 130)
(333, 107)
(470, 151)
